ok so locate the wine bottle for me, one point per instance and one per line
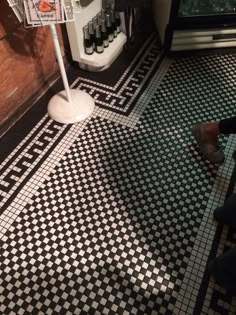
(103, 14)
(118, 22)
(109, 28)
(91, 32)
(95, 22)
(99, 46)
(88, 43)
(99, 17)
(104, 33)
(113, 24)
(108, 8)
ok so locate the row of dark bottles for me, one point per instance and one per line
(101, 31)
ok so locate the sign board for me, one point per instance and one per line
(44, 11)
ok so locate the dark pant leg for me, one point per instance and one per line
(228, 126)
(227, 213)
(223, 268)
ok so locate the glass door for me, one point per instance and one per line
(198, 14)
(189, 18)
(206, 7)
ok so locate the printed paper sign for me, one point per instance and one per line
(44, 11)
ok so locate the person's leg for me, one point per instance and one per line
(211, 131)
(223, 269)
(227, 213)
(206, 135)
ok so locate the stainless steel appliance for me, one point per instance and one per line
(196, 24)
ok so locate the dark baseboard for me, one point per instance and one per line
(24, 107)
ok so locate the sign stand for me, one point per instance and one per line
(70, 105)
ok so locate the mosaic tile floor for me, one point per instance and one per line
(113, 215)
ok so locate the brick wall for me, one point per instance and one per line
(27, 63)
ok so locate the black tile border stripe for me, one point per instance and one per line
(151, 48)
(157, 66)
(147, 44)
(46, 155)
(24, 146)
(131, 107)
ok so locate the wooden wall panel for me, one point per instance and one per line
(8, 21)
(27, 61)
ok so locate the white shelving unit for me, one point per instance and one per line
(95, 62)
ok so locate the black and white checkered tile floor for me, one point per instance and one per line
(113, 215)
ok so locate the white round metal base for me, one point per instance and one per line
(65, 112)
